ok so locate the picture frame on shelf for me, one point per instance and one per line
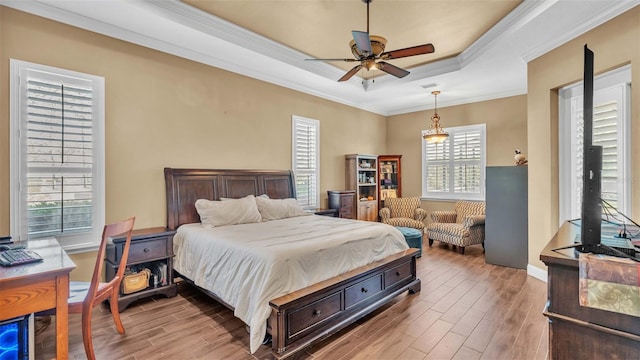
(387, 193)
(386, 168)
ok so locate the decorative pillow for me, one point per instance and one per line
(274, 209)
(229, 212)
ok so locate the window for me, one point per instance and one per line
(57, 155)
(611, 124)
(454, 169)
(306, 160)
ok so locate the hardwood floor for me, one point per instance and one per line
(466, 310)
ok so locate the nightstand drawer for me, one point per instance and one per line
(146, 245)
(147, 250)
(347, 214)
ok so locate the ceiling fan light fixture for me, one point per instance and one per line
(435, 134)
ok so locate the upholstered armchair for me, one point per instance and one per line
(460, 228)
(403, 212)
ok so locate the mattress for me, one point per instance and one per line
(248, 265)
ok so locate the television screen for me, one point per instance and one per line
(592, 166)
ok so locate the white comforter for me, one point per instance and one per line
(248, 265)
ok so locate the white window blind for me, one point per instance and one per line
(57, 156)
(454, 169)
(306, 161)
(610, 123)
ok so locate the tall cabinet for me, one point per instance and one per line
(361, 175)
(506, 226)
(390, 179)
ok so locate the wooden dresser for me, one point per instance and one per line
(343, 201)
(579, 332)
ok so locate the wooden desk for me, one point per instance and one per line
(579, 332)
(30, 288)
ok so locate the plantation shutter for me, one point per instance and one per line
(437, 164)
(467, 161)
(59, 157)
(306, 161)
(454, 169)
(606, 120)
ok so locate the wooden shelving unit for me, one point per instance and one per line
(390, 178)
(361, 175)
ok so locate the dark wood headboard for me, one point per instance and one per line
(185, 186)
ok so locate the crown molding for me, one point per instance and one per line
(176, 28)
(613, 9)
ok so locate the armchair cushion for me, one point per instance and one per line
(404, 212)
(444, 216)
(402, 207)
(405, 222)
(466, 208)
(473, 220)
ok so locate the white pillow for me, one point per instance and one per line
(274, 209)
(229, 212)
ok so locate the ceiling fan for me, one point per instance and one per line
(369, 50)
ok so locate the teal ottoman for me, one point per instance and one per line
(413, 237)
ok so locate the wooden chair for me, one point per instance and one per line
(83, 297)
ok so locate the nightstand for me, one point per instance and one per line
(150, 248)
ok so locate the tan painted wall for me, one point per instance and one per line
(506, 125)
(162, 111)
(614, 43)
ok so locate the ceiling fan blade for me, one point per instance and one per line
(345, 60)
(410, 51)
(351, 72)
(362, 42)
(392, 69)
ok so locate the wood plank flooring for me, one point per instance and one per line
(466, 310)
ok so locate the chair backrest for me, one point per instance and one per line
(465, 208)
(109, 231)
(402, 207)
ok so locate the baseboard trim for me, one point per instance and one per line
(536, 272)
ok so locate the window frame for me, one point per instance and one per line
(451, 195)
(295, 120)
(619, 77)
(75, 242)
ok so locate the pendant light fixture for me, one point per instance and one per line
(435, 134)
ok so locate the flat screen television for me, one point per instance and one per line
(591, 239)
(591, 219)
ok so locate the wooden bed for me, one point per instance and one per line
(313, 313)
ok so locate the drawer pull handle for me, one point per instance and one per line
(364, 290)
(398, 273)
(146, 250)
(317, 312)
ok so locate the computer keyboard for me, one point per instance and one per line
(15, 257)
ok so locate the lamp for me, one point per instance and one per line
(435, 133)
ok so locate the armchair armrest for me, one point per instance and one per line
(385, 214)
(473, 220)
(420, 214)
(444, 216)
